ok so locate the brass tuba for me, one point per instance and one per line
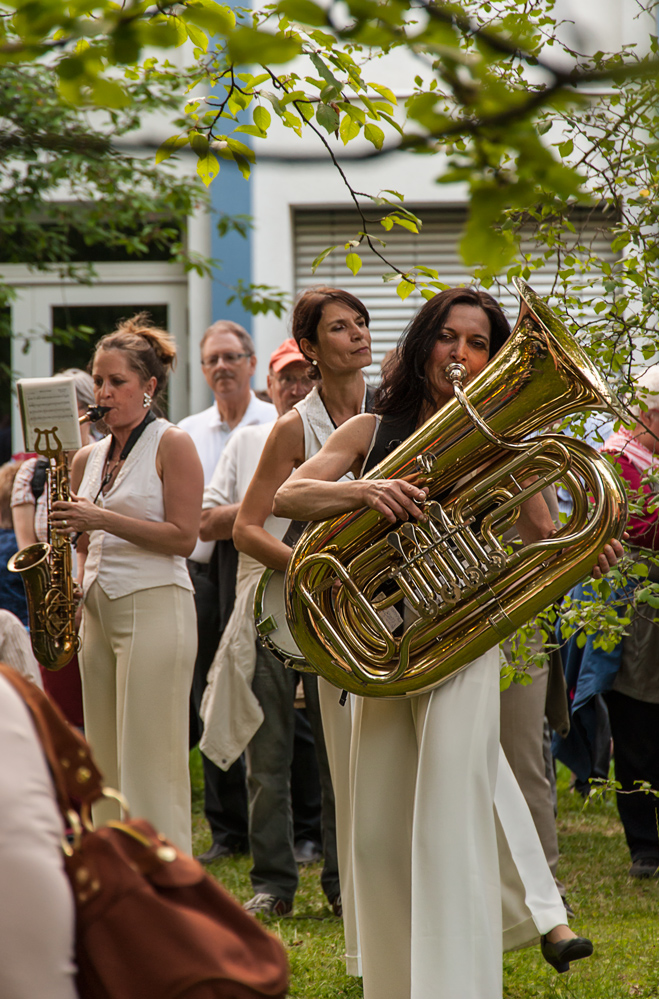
(464, 589)
(47, 568)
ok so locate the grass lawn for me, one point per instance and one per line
(618, 914)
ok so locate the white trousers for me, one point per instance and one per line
(431, 788)
(36, 912)
(337, 726)
(137, 660)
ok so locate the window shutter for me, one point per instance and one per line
(436, 245)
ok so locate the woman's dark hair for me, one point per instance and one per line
(150, 351)
(309, 309)
(404, 388)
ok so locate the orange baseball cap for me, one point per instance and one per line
(286, 353)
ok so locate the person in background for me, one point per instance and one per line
(628, 675)
(228, 361)
(15, 648)
(37, 918)
(29, 502)
(523, 709)
(249, 702)
(135, 505)
(330, 326)
(12, 592)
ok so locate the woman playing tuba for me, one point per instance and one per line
(428, 885)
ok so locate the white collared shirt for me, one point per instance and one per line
(210, 434)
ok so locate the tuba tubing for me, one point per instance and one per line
(466, 590)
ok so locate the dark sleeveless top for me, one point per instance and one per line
(393, 430)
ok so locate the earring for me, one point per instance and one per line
(315, 364)
(147, 400)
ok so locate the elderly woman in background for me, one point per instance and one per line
(29, 508)
(137, 503)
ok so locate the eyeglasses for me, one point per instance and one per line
(288, 381)
(230, 358)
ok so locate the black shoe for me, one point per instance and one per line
(216, 851)
(307, 852)
(644, 867)
(561, 953)
(336, 905)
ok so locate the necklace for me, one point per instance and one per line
(133, 438)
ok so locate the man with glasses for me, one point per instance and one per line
(228, 361)
(249, 705)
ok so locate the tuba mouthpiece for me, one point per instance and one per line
(456, 373)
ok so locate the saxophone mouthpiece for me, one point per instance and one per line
(456, 373)
(94, 414)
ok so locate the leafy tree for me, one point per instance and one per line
(529, 125)
(67, 186)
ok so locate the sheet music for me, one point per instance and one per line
(49, 412)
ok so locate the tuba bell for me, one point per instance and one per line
(416, 604)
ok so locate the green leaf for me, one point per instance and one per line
(109, 94)
(262, 118)
(170, 146)
(353, 261)
(236, 146)
(214, 17)
(349, 129)
(292, 121)
(303, 11)
(565, 148)
(405, 223)
(197, 37)
(249, 45)
(208, 168)
(199, 143)
(384, 92)
(242, 164)
(306, 109)
(327, 117)
(405, 288)
(250, 130)
(325, 72)
(319, 259)
(374, 135)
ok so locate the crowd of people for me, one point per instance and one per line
(174, 526)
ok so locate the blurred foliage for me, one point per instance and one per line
(68, 188)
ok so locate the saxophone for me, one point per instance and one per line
(464, 589)
(47, 568)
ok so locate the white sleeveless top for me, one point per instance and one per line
(318, 425)
(120, 566)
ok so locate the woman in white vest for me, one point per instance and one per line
(438, 818)
(330, 327)
(136, 505)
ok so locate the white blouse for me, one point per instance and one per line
(120, 566)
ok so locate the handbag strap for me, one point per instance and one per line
(75, 774)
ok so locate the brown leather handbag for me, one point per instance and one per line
(151, 924)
